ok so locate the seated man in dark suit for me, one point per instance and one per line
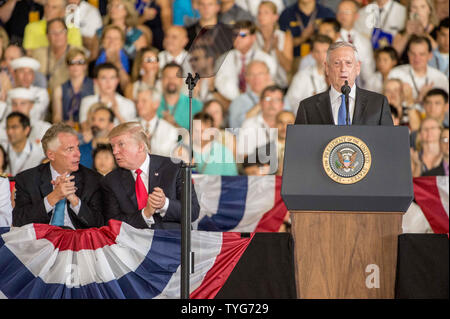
(365, 107)
(145, 190)
(62, 192)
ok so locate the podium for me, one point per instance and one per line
(347, 188)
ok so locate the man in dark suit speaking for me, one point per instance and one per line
(62, 192)
(365, 107)
(145, 190)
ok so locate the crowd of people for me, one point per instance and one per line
(96, 64)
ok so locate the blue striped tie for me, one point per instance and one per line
(342, 112)
(58, 213)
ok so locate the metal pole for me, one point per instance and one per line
(186, 254)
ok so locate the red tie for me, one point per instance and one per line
(141, 192)
(350, 40)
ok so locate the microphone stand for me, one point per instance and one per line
(187, 257)
(346, 91)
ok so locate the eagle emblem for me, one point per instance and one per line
(346, 157)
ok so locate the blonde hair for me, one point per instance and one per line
(73, 52)
(132, 15)
(432, 18)
(135, 72)
(135, 130)
(271, 5)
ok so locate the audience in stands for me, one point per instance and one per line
(61, 61)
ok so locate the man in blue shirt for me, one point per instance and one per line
(300, 19)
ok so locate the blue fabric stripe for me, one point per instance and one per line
(148, 281)
(233, 196)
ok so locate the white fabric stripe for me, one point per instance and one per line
(442, 184)
(414, 221)
(206, 247)
(260, 199)
(85, 266)
(208, 190)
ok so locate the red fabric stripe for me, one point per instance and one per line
(272, 220)
(76, 240)
(233, 246)
(426, 194)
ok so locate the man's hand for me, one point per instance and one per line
(156, 200)
(64, 188)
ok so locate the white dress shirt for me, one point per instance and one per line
(164, 136)
(89, 18)
(145, 178)
(306, 83)
(5, 203)
(126, 107)
(227, 78)
(406, 73)
(392, 19)
(336, 100)
(49, 208)
(255, 132)
(375, 83)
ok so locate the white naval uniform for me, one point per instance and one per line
(31, 156)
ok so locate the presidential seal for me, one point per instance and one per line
(346, 160)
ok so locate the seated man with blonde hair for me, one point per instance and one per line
(145, 190)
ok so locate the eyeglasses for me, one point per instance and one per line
(57, 32)
(241, 34)
(77, 62)
(150, 59)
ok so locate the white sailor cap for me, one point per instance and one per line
(25, 62)
(21, 93)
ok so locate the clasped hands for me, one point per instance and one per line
(156, 200)
(64, 187)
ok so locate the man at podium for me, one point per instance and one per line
(342, 66)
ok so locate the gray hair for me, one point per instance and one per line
(50, 139)
(341, 44)
(144, 87)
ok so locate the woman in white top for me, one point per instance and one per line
(273, 41)
(145, 71)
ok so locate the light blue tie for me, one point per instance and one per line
(342, 112)
(58, 213)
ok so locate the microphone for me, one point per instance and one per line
(345, 89)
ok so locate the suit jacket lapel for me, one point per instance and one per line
(360, 107)
(323, 104)
(46, 186)
(79, 183)
(128, 184)
(153, 173)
